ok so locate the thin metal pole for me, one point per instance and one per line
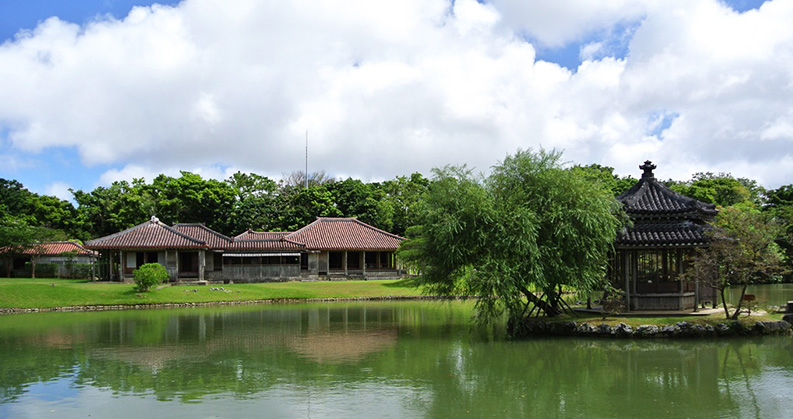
(306, 172)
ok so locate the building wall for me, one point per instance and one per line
(260, 273)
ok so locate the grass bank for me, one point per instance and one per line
(26, 293)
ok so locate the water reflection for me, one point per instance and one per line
(378, 359)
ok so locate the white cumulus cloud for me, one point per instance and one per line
(387, 88)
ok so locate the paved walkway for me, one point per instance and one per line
(643, 313)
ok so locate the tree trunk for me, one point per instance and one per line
(740, 302)
(33, 267)
(544, 306)
(724, 303)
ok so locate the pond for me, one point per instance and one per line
(765, 294)
(406, 359)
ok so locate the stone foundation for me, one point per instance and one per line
(678, 330)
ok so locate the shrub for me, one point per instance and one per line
(149, 275)
(81, 271)
(43, 270)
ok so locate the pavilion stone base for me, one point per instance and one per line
(663, 302)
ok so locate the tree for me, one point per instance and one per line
(779, 206)
(149, 275)
(605, 175)
(742, 251)
(298, 179)
(516, 238)
(402, 197)
(721, 189)
(40, 236)
(18, 237)
(256, 202)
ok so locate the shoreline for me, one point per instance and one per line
(682, 329)
(154, 306)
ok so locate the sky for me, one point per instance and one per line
(95, 91)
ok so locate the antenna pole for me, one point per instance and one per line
(306, 172)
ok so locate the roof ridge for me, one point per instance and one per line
(201, 225)
(375, 228)
(114, 235)
(173, 230)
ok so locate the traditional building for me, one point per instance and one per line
(651, 255)
(60, 253)
(328, 248)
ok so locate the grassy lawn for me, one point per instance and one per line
(40, 293)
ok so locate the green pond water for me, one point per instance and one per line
(407, 359)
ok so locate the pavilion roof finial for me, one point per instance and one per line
(648, 167)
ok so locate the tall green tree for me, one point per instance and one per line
(779, 205)
(402, 197)
(606, 176)
(721, 189)
(515, 238)
(742, 251)
(256, 203)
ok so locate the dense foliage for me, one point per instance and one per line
(248, 200)
(742, 251)
(530, 226)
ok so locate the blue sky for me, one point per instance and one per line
(384, 89)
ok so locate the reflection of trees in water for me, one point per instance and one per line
(577, 378)
(426, 348)
(743, 361)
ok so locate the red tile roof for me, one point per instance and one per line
(265, 245)
(344, 234)
(150, 235)
(212, 238)
(322, 234)
(56, 248)
(262, 235)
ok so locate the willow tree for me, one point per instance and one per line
(515, 239)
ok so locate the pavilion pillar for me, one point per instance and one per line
(635, 268)
(696, 295)
(363, 262)
(626, 256)
(344, 262)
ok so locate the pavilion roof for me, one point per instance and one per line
(662, 217)
(649, 197)
(663, 233)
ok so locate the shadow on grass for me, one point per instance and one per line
(404, 283)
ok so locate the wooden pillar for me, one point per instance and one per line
(634, 267)
(121, 264)
(696, 295)
(202, 260)
(344, 262)
(363, 260)
(626, 256)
